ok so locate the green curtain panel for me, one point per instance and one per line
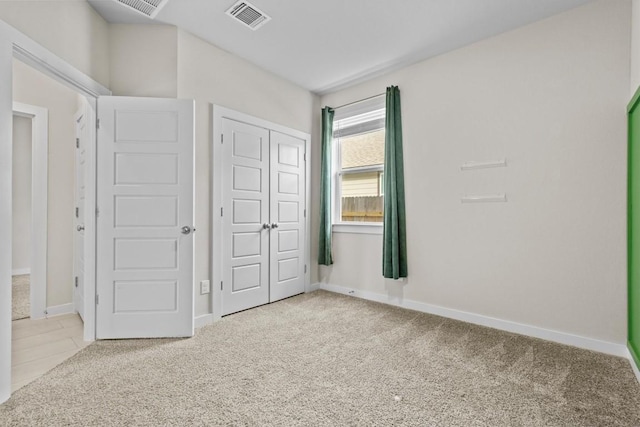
(394, 245)
(324, 250)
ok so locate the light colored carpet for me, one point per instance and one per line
(324, 359)
(20, 294)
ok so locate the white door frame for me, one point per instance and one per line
(219, 113)
(13, 43)
(38, 246)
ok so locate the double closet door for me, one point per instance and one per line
(263, 216)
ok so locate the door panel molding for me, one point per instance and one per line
(219, 210)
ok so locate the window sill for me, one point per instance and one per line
(362, 228)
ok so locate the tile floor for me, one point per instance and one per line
(39, 345)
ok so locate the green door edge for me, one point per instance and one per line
(633, 347)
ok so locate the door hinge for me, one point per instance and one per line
(97, 123)
(305, 156)
(221, 211)
(305, 269)
(221, 138)
(305, 213)
(77, 212)
(97, 299)
(77, 142)
(76, 281)
(97, 212)
(221, 286)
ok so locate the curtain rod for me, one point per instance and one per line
(362, 100)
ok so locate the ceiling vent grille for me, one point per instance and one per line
(248, 15)
(149, 8)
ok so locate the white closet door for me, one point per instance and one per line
(245, 218)
(145, 202)
(287, 216)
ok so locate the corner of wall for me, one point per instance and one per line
(316, 130)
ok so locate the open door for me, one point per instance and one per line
(79, 247)
(145, 218)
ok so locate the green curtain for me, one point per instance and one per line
(324, 250)
(394, 245)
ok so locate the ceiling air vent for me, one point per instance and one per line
(149, 8)
(248, 15)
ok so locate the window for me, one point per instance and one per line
(358, 133)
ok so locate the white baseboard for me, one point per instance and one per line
(204, 320)
(20, 271)
(606, 347)
(60, 309)
(313, 287)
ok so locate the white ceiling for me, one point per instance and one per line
(325, 45)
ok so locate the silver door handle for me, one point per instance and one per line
(266, 226)
(274, 225)
(188, 230)
(80, 227)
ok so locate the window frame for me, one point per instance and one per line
(339, 226)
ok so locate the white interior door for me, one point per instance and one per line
(287, 255)
(246, 223)
(145, 218)
(80, 211)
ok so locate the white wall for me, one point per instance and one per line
(550, 97)
(143, 60)
(635, 46)
(69, 28)
(21, 196)
(34, 88)
(212, 76)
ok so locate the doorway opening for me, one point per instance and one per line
(29, 198)
(29, 52)
(22, 213)
(46, 327)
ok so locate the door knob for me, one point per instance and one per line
(266, 226)
(80, 227)
(274, 225)
(187, 230)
